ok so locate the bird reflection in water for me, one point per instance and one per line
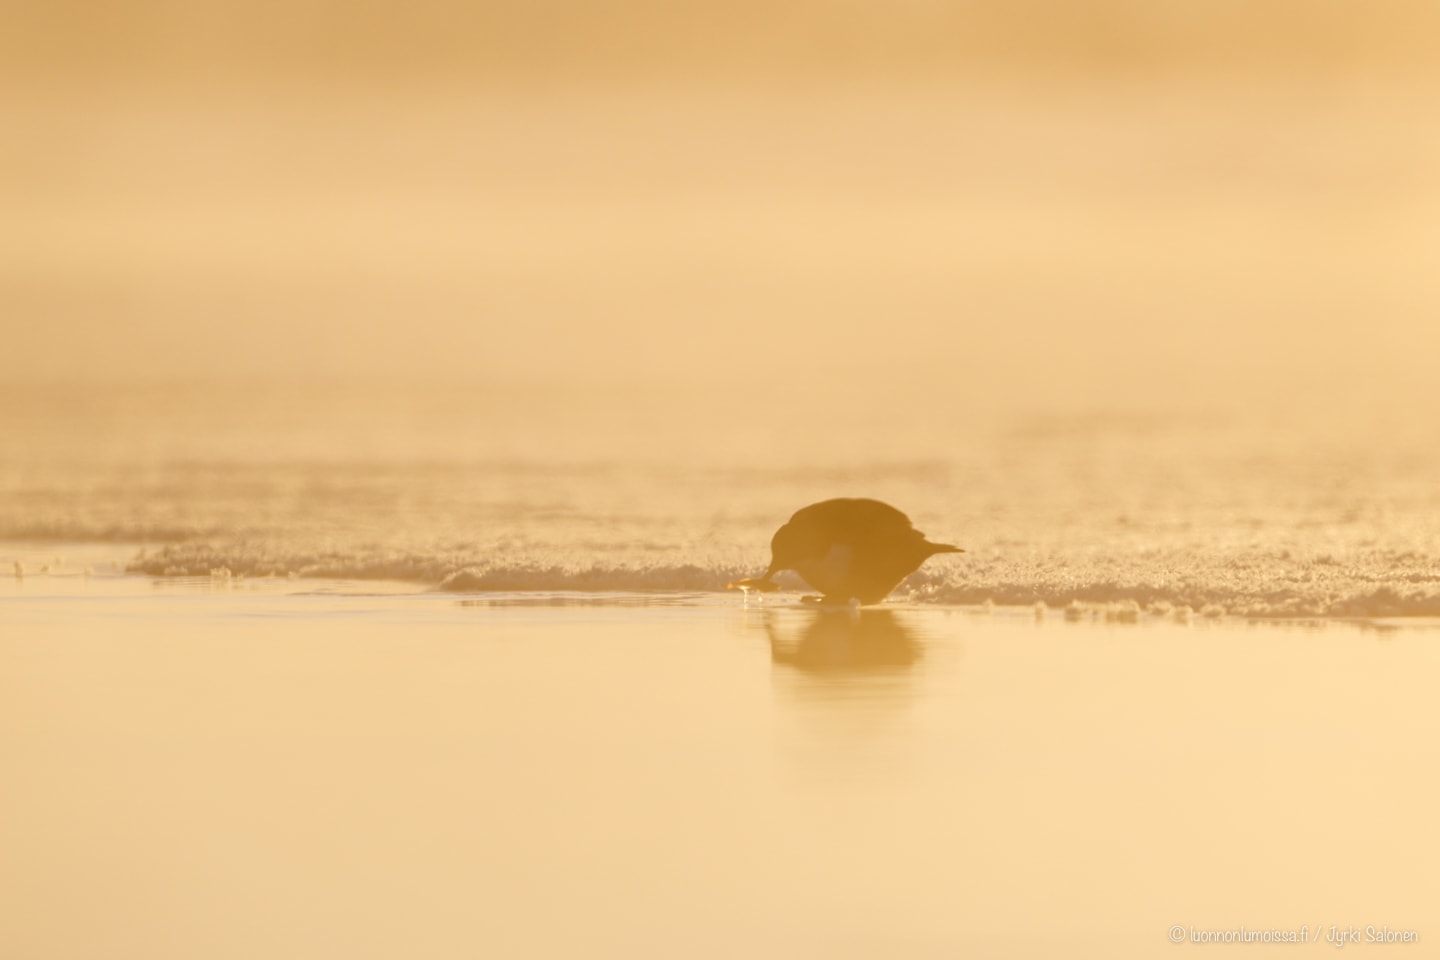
(841, 644)
(846, 676)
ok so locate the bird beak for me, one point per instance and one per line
(763, 584)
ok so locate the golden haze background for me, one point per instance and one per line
(970, 208)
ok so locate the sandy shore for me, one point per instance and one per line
(300, 769)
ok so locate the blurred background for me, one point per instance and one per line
(773, 208)
(1122, 287)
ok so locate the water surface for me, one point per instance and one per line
(283, 768)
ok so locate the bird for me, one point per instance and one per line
(848, 549)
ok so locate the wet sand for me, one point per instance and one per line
(324, 768)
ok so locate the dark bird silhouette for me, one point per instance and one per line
(848, 549)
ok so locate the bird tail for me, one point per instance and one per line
(943, 548)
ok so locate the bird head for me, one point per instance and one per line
(790, 545)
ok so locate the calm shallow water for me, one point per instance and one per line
(287, 769)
